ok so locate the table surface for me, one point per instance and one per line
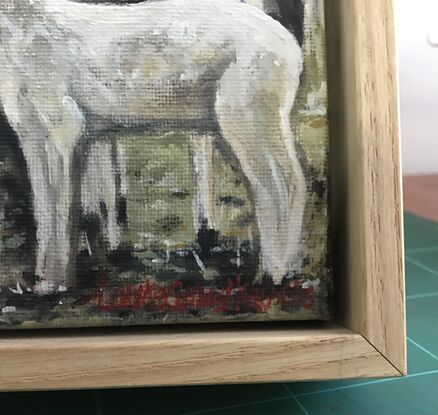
(420, 194)
(413, 395)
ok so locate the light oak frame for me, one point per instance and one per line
(368, 337)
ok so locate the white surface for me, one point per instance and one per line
(417, 31)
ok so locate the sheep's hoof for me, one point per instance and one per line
(45, 287)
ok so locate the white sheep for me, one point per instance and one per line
(221, 69)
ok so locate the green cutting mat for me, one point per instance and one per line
(416, 394)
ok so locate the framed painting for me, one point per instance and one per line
(186, 175)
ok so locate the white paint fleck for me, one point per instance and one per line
(199, 261)
(17, 290)
(87, 244)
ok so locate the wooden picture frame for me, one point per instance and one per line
(367, 338)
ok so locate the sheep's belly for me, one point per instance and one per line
(144, 84)
(149, 101)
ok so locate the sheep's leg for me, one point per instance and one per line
(43, 197)
(104, 189)
(114, 189)
(64, 180)
(202, 147)
(49, 149)
(253, 107)
(121, 184)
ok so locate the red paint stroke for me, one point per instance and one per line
(162, 298)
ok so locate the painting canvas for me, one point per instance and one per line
(162, 161)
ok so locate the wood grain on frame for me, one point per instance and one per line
(186, 355)
(366, 178)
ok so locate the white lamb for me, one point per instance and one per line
(221, 69)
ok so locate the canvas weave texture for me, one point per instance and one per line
(163, 161)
